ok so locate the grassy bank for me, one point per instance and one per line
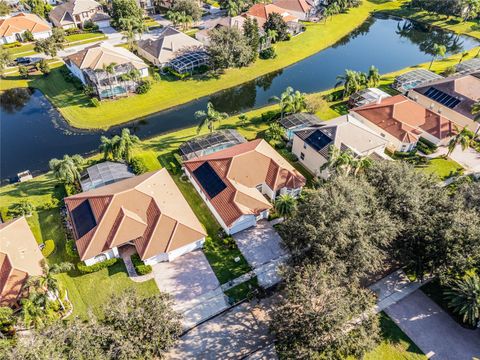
(79, 113)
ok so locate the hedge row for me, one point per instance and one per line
(49, 248)
(84, 269)
(140, 267)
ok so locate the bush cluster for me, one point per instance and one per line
(268, 54)
(140, 267)
(84, 269)
(138, 166)
(49, 248)
(71, 249)
(144, 87)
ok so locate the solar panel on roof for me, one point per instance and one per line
(318, 140)
(441, 97)
(209, 180)
(83, 218)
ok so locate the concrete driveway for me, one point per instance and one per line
(193, 285)
(469, 159)
(232, 335)
(433, 330)
(260, 244)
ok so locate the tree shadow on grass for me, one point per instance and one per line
(392, 333)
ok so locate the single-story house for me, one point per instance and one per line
(88, 66)
(20, 258)
(261, 12)
(74, 13)
(312, 144)
(367, 96)
(227, 22)
(146, 211)
(451, 97)
(104, 173)
(301, 9)
(294, 122)
(210, 143)
(239, 183)
(13, 27)
(402, 122)
(170, 45)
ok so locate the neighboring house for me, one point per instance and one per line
(294, 122)
(147, 5)
(452, 97)
(13, 27)
(88, 66)
(468, 66)
(170, 45)
(20, 258)
(239, 183)
(311, 145)
(227, 22)
(146, 211)
(367, 96)
(301, 9)
(104, 173)
(261, 12)
(402, 122)
(74, 13)
(210, 143)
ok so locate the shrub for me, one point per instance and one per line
(84, 269)
(144, 87)
(428, 143)
(71, 249)
(5, 214)
(71, 189)
(27, 36)
(268, 53)
(43, 67)
(424, 148)
(138, 166)
(140, 267)
(49, 248)
(288, 155)
(12, 45)
(73, 31)
(156, 76)
(95, 102)
(178, 158)
(172, 167)
(270, 115)
(89, 25)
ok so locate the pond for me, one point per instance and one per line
(32, 132)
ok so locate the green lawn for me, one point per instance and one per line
(443, 168)
(395, 344)
(243, 291)
(77, 110)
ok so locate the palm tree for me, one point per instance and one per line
(438, 51)
(33, 309)
(463, 138)
(174, 17)
(360, 163)
(106, 146)
(373, 76)
(209, 117)
(68, 168)
(285, 205)
(352, 81)
(243, 118)
(291, 101)
(185, 19)
(130, 37)
(110, 71)
(274, 132)
(463, 297)
(463, 56)
(123, 145)
(340, 162)
(49, 282)
(23, 208)
(233, 7)
(272, 35)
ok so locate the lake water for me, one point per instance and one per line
(32, 132)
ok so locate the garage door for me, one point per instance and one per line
(103, 24)
(242, 224)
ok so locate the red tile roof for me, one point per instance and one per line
(242, 167)
(405, 119)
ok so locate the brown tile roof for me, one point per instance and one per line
(261, 12)
(465, 88)
(148, 210)
(19, 258)
(242, 167)
(64, 13)
(22, 22)
(405, 119)
(293, 5)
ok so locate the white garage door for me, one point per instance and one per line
(103, 24)
(243, 223)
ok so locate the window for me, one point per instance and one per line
(302, 156)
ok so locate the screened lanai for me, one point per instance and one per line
(210, 143)
(414, 78)
(188, 62)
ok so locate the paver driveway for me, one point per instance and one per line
(260, 244)
(433, 330)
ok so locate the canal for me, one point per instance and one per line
(32, 131)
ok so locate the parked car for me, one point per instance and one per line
(23, 61)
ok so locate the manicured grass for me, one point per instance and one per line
(443, 168)
(85, 36)
(21, 49)
(452, 23)
(243, 291)
(165, 94)
(395, 344)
